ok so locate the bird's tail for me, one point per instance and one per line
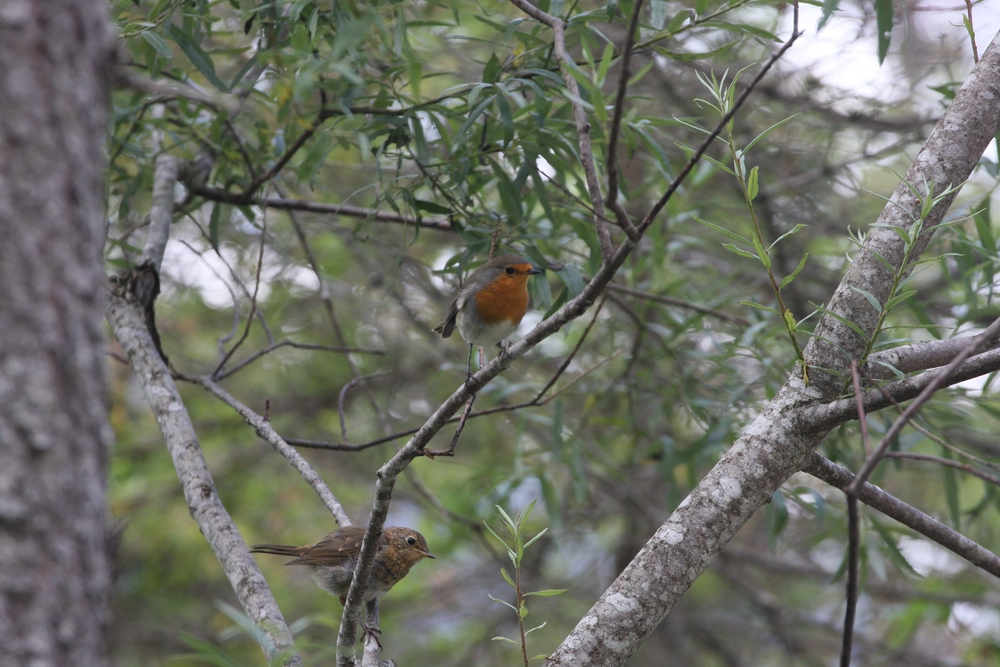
(276, 549)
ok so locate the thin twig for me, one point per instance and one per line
(853, 555)
(253, 298)
(267, 433)
(580, 117)
(737, 105)
(939, 381)
(941, 461)
(680, 303)
(536, 402)
(299, 346)
(450, 451)
(285, 204)
(853, 537)
(343, 395)
(616, 121)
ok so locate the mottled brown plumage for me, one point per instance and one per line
(333, 559)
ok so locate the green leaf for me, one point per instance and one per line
(460, 136)
(829, 7)
(533, 539)
(572, 278)
(761, 253)
(509, 641)
(767, 132)
(197, 56)
(983, 227)
(509, 196)
(733, 248)
(794, 230)
(658, 13)
(883, 24)
(868, 295)
(501, 602)
(431, 207)
(759, 306)
(492, 69)
(507, 119)
(843, 320)
(686, 57)
(548, 592)
(214, 222)
(157, 43)
(752, 187)
(794, 274)
(732, 235)
(506, 577)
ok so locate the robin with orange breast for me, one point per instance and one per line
(491, 304)
(333, 559)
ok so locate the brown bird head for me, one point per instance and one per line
(407, 545)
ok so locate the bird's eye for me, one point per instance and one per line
(411, 541)
(509, 270)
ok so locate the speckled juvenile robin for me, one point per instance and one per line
(333, 560)
(492, 302)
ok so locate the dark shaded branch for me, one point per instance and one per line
(282, 203)
(679, 303)
(871, 495)
(582, 125)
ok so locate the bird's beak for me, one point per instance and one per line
(534, 271)
(427, 554)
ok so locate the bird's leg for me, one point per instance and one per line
(468, 368)
(370, 626)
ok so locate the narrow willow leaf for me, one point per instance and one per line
(883, 23)
(794, 274)
(868, 295)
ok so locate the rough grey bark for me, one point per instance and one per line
(779, 442)
(55, 576)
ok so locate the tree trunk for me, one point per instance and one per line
(55, 577)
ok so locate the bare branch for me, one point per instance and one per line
(438, 223)
(616, 126)
(129, 327)
(837, 412)
(964, 467)
(298, 346)
(582, 126)
(267, 433)
(161, 211)
(921, 356)
(679, 303)
(929, 527)
(939, 380)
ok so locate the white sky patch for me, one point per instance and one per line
(844, 53)
(977, 619)
(928, 558)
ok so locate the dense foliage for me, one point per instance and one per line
(353, 161)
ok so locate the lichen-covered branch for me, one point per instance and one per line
(128, 324)
(781, 440)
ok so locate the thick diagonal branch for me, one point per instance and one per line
(129, 327)
(781, 440)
